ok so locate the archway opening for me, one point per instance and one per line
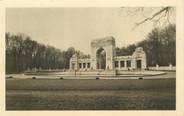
(101, 58)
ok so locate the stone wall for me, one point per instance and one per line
(89, 73)
(163, 68)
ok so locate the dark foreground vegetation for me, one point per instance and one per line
(43, 94)
(23, 53)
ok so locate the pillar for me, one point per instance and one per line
(125, 64)
(119, 65)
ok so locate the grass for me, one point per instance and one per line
(42, 94)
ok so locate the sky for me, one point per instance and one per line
(76, 26)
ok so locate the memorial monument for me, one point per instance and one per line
(103, 57)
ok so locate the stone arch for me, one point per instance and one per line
(108, 45)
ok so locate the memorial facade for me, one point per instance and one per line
(103, 57)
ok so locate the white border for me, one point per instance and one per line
(99, 3)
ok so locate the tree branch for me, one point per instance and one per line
(163, 10)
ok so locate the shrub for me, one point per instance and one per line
(33, 77)
(140, 78)
(97, 78)
(10, 77)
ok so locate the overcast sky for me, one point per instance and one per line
(66, 27)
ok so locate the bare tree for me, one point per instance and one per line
(162, 14)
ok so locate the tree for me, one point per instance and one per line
(67, 55)
(125, 50)
(159, 45)
(23, 53)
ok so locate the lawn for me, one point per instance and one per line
(46, 94)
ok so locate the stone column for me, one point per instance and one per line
(133, 63)
(70, 65)
(86, 65)
(75, 66)
(125, 64)
(144, 62)
(170, 66)
(119, 65)
(157, 66)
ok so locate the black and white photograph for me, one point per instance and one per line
(90, 58)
